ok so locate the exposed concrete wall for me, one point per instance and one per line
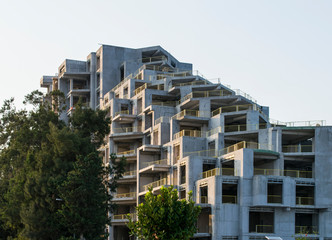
(228, 219)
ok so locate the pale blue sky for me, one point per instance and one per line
(278, 51)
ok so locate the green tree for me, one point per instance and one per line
(165, 217)
(41, 160)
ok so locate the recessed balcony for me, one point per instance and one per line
(217, 172)
(122, 219)
(155, 185)
(297, 148)
(128, 177)
(196, 116)
(125, 198)
(126, 133)
(155, 166)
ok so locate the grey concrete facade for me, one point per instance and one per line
(252, 177)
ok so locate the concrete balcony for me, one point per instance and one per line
(128, 177)
(155, 166)
(305, 201)
(298, 149)
(280, 172)
(217, 172)
(124, 117)
(193, 116)
(130, 155)
(234, 108)
(154, 185)
(306, 230)
(188, 133)
(122, 219)
(264, 229)
(244, 127)
(126, 133)
(125, 198)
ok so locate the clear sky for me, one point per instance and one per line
(278, 51)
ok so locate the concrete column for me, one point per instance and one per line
(217, 121)
(175, 127)
(71, 102)
(205, 107)
(289, 192)
(193, 170)
(71, 84)
(252, 120)
(93, 79)
(259, 190)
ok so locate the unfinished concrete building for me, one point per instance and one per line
(252, 177)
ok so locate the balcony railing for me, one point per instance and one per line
(243, 94)
(158, 162)
(203, 153)
(127, 129)
(187, 112)
(274, 199)
(217, 172)
(162, 119)
(311, 123)
(233, 148)
(305, 201)
(229, 199)
(165, 104)
(122, 112)
(267, 172)
(140, 89)
(235, 108)
(125, 195)
(280, 172)
(188, 133)
(213, 131)
(130, 152)
(155, 184)
(298, 173)
(182, 73)
(124, 216)
(297, 148)
(193, 83)
(153, 59)
(244, 127)
(130, 173)
(306, 229)
(204, 199)
(264, 228)
(202, 94)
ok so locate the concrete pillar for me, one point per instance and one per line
(252, 120)
(259, 190)
(71, 84)
(175, 127)
(193, 170)
(289, 192)
(205, 107)
(93, 79)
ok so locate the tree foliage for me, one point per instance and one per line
(52, 181)
(165, 217)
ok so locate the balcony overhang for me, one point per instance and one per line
(76, 75)
(124, 201)
(125, 137)
(201, 235)
(192, 119)
(128, 179)
(150, 148)
(155, 168)
(124, 118)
